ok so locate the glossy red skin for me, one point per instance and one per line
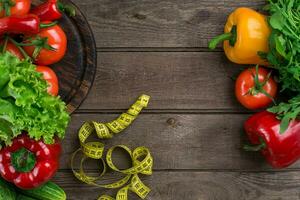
(281, 150)
(57, 39)
(10, 47)
(47, 11)
(25, 24)
(245, 81)
(20, 8)
(47, 162)
(50, 76)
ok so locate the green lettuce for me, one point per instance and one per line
(25, 104)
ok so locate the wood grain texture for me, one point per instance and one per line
(158, 23)
(179, 141)
(197, 154)
(200, 186)
(175, 80)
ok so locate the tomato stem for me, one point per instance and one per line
(20, 48)
(39, 43)
(259, 86)
(5, 43)
(47, 25)
(6, 6)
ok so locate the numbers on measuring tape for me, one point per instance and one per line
(142, 160)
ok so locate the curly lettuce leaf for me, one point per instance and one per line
(25, 103)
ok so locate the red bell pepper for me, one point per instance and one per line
(280, 150)
(52, 10)
(29, 163)
(26, 24)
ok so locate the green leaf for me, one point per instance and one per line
(25, 103)
(280, 45)
(284, 42)
(277, 21)
(284, 124)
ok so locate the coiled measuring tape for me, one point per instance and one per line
(142, 161)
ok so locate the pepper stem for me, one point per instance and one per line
(23, 160)
(66, 8)
(254, 148)
(231, 36)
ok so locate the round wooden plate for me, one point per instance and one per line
(76, 71)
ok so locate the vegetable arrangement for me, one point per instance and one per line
(33, 119)
(272, 41)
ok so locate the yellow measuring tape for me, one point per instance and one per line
(142, 160)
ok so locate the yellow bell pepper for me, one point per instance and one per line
(246, 34)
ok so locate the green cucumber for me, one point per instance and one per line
(48, 191)
(6, 191)
(23, 197)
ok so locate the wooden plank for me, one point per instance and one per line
(200, 185)
(179, 141)
(158, 23)
(175, 80)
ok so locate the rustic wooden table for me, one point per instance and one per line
(193, 124)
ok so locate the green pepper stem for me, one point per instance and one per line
(231, 36)
(220, 38)
(254, 148)
(23, 160)
(66, 8)
(48, 24)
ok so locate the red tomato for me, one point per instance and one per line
(20, 7)
(56, 39)
(250, 93)
(14, 50)
(50, 76)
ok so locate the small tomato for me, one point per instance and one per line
(48, 46)
(15, 7)
(255, 88)
(50, 76)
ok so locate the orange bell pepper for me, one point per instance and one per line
(246, 34)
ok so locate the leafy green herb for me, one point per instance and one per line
(287, 112)
(284, 54)
(25, 104)
(284, 42)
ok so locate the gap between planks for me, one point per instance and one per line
(205, 170)
(156, 49)
(166, 111)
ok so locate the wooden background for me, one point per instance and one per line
(193, 125)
